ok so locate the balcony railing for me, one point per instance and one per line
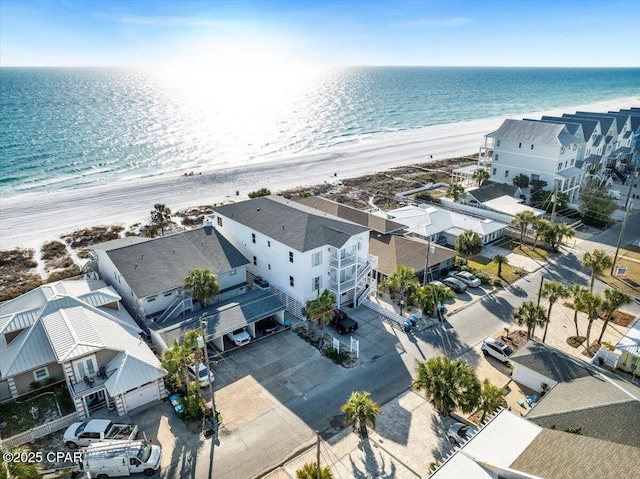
(91, 384)
(342, 262)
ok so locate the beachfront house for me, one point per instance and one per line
(388, 243)
(298, 250)
(150, 274)
(77, 332)
(443, 226)
(541, 151)
(629, 347)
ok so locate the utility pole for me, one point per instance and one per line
(554, 198)
(628, 204)
(426, 265)
(206, 357)
(540, 290)
(317, 455)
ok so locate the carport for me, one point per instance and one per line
(240, 312)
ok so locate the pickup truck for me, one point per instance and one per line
(98, 430)
(343, 323)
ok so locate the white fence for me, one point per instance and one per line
(39, 431)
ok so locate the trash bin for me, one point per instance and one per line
(287, 323)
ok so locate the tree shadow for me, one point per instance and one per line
(395, 422)
(439, 426)
(372, 465)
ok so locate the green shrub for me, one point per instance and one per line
(194, 405)
(335, 356)
(34, 385)
(497, 283)
(260, 192)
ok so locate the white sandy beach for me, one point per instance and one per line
(30, 220)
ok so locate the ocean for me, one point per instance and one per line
(63, 128)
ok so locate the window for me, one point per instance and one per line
(253, 237)
(496, 158)
(269, 244)
(562, 150)
(85, 367)
(559, 166)
(497, 143)
(151, 299)
(269, 266)
(290, 256)
(291, 281)
(494, 172)
(316, 258)
(316, 284)
(255, 261)
(219, 221)
(572, 160)
(532, 147)
(41, 374)
(506, 173)
(166, 295)
(232, 272)
(519, 145)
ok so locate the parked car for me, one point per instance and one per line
(497, 349)
(455, 284)
(98, 430)
(204, 375)
(343, 323)
(239, 337)
(267, 325)
(258, 282)
(117, 460)
(178, 404)
(459, 433)
(467, 278)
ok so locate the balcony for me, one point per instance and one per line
(343, 262)
(343, 286)
(90, 385)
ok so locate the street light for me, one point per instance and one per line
(540, 290)
(206, 356)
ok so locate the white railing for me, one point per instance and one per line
(342, 262)
(39, 431)
(176, 308)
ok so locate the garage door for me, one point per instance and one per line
(140, 396)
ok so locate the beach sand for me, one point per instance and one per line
(29, 220)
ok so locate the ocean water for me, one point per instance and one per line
(68, 127)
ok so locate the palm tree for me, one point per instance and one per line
(160, 215)
(424, 297)
(203, 284)
(596, 261)
(454, 190)
(359, 411)
(449, 384)
(492, 397)
(391, 286)
(17, 469)
(310, 471)
(522, 221)
(406, 281)
(554, 290)
(468, 244)
(564, 230)
(540, 227)
(577, 292)
(613, 299)
(480, 175)
(175, 360)
(530, 315)
(320, 310)
(500, 260)
(592, 303)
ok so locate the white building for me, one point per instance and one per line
(299, 250)
(542, 151)
(443, 226)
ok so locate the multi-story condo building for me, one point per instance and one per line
(539, 150)
(298, 250)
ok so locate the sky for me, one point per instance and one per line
(555, 33)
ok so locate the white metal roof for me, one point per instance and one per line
(510, 206)
(630, 342)
(538, 133)
(131, 373)
(30, 350)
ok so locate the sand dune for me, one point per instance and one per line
(31, 219)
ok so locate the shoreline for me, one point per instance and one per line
(33, 218)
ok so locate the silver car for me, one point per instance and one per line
(459, 433)
(467, 278)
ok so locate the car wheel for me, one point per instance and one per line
(452, 440)
(149, 472)
(103, 476)
(506, 363)
(71, 445)
(485, 352)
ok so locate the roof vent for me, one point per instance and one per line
(142, 257)
(135, 266)
(174, 251)
(257, 209)
(282, 227)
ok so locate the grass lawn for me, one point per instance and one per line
(629, 283)
(514, 246)
(487, 266)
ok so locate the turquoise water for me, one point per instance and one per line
(68, 127)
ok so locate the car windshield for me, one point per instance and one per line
(81, 428)
(203, 372)
(465, 275)
(238, 331)
(467, 431)
(508, 351)
(144, 452)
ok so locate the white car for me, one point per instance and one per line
(459, 433)
(204, 375)
(240, 337)
(497, 349)
(467, 278)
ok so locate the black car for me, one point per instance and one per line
(343, 323)
(267, 325)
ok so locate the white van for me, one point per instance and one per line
(104, 460)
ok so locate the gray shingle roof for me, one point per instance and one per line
(572, 127)
(605, 121)
(635, 118)
(293, 224)
(376, 223)
(557, 454)
(225, 317)
(491, 190)
(588, 125)
(535, 132)
(620, 118)
(586, 397)
(593, 159)
(162, 264)
(393, 251)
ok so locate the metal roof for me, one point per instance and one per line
(630, 342)
(569, 172)
(29, 350)
(535, 132)
(131, 373)
(298, 226)
(162, 264)
(491, 190)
